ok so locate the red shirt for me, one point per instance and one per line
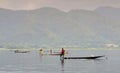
(62, 50)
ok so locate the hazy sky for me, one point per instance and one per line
(60, 4)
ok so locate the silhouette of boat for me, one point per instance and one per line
(21, 51)
(52, 54)
(89, 57)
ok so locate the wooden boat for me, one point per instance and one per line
(90, 57)
(20, 51)
(52, 54)
(55, 54)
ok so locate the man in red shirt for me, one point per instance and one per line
(62, 52)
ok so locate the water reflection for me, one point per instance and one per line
(41, 55)
(62, 65)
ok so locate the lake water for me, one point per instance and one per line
(33, 62)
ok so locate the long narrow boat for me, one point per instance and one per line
(56, 54)
(20, 51)
(52, 54)
(90, 57)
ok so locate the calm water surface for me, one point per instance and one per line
(33, 62)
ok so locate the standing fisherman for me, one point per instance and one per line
(62, 52)
(50, 51)
(41, 51)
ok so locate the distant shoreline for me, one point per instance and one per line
(64, 48)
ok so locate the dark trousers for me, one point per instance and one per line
(62, 54)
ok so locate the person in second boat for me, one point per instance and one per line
(41, 51)
(50, 51)
(62, 52)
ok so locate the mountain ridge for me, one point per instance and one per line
(53, 27)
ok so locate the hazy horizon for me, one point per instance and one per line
(64, 5)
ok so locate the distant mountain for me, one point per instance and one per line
(109, 12)
(47, 26)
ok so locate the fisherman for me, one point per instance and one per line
(41, 51)
(51, 51)
(62, 52)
